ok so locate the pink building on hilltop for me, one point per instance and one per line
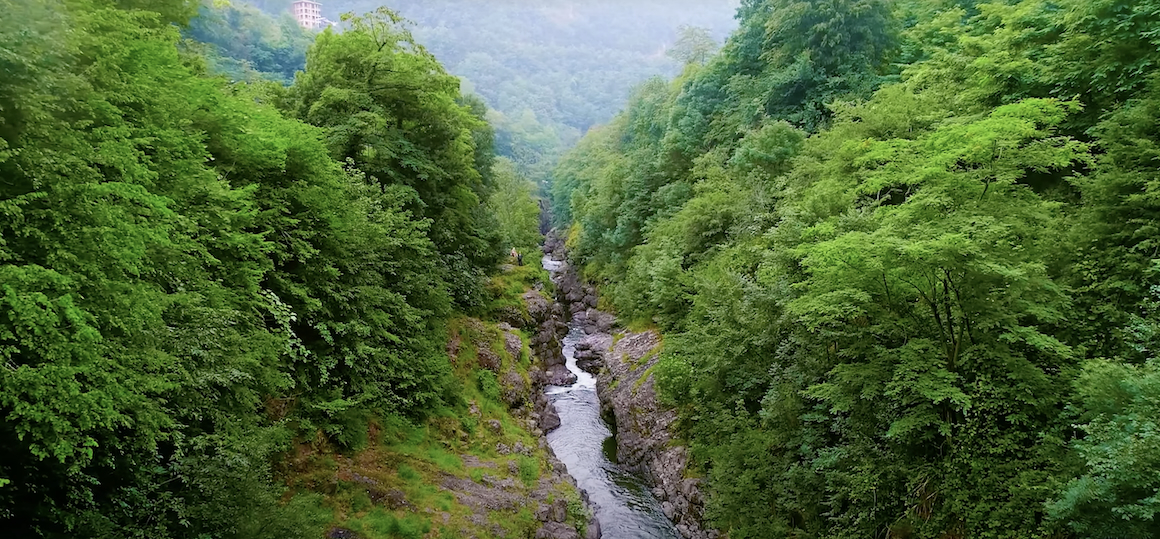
(309, 14)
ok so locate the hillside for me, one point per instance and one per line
(551, 69)
(902, 258)
(227, 305)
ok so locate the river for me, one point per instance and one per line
(623, 503)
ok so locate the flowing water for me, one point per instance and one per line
(624, 505)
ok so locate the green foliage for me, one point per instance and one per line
(389, 108)
(516, 209)
(889, 328)
(188, 274)
(380, 524)
(1119, 221)
(529, 469)
(241, 39)
(1116, 495)
(488, 384)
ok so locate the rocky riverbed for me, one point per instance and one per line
(545, 320)
(623, 363)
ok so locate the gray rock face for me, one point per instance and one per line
(514, 317)
(516, 390)
(593, 530)
(645, 430)
(488, 359)
(589, 365)
(549, 419)
(548, 352)
(557, 530)
(627, 391)
(513, 345)
(559, 375)
(590, 352)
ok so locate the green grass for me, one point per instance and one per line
(469, 424)
(488, 384)
(407, 473)
(360, 502)
(506, 289)
(529, 469)
(381, 524)
(446, 461)
(414, 457)
(444, 501)
(641, 325)
(522, 524)
(314, 506)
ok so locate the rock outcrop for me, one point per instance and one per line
(623, 362)
(644, 430)
(548, 327)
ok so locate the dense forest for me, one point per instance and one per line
(548, 69)
(904, 256)
(196, 272)
(902, 252)
(246, 43)
(551, 69)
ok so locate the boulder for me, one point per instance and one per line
(513, 345)
(590, 365)
(393, 499)
(559, 510)
(488, 359)
(593, 531)
(559, 375)
(513, 316)
(549, 419)
(557, 530)
(538, 306)
(515, 389)
(495, 426)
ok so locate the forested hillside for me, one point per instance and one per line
(550, 69)
(244, 42)
(197, 276)
(547, 69)
(904, 257)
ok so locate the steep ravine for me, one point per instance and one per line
(622, 363)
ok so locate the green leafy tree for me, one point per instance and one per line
(185, 273)
(1116, 494)
(388, 106)
(516, 208)
(693, 45)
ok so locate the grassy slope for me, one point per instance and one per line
(403, 484)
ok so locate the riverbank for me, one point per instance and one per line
(623, 362)
(480, 468)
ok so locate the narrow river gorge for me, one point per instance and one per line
(623, 503)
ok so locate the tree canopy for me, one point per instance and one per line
(193, 272)
(902, 255)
